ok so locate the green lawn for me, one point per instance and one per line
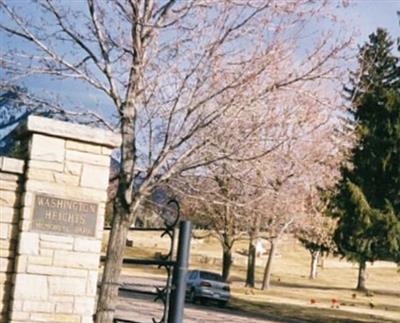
(292, 295)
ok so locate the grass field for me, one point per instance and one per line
(292, 295)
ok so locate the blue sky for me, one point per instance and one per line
(367, 15)
(363, 16)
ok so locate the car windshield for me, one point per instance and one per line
(210, 276)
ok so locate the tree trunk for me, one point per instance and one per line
(251, 263)
(125, 205)
(110, 281)
(226, 262)
(321, 260)
(252, 253)
(266, 283)
(314, 262)
(362, 273)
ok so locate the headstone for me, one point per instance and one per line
(260, 247)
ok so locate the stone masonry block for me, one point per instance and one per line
(27, 199)
(95, 177)
(54, 317)
(7, 254)
(6, 266)
(25, 225)
(84, 305)
(72, 168)
(100, 220)
(63, 129)
(55, 245)
(7, 245)
(106, 151)
(88, 158)
(45, 187)
(11, 165)
(47, 148)
(29, 243)
(61, 299)
(102, 209)
(9, 177)
(66, 191)
(17, 305)
(39, 260)
(67, 286)
(26, 213)
(39, 164)
(46, 252)
(55, 271)
(41, 174)
(65, 307)
(100, 226)
(31, 287)
(5, 231)
(93, 194)
(67, 179)
(35, 306)
(9, 185)
(80, 146)
(87, 319)
(76, 259)
(8, 198)
(87, 245)
(53, 177)
(92, 279)
(21, 263)
(9, 214)
(56, 238)
(19, 316)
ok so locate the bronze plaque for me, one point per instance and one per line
(56, 215)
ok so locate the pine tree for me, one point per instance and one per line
(367, 202)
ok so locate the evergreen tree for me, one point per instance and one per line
(367, 202)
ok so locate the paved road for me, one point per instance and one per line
(142, 308)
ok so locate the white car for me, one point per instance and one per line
(204, 285)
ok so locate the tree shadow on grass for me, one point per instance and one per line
(300, 313)
(382, 292)
(308, 286)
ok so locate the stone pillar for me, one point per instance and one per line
(10, 184)
(61, 221)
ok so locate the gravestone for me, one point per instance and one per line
(56, 196)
